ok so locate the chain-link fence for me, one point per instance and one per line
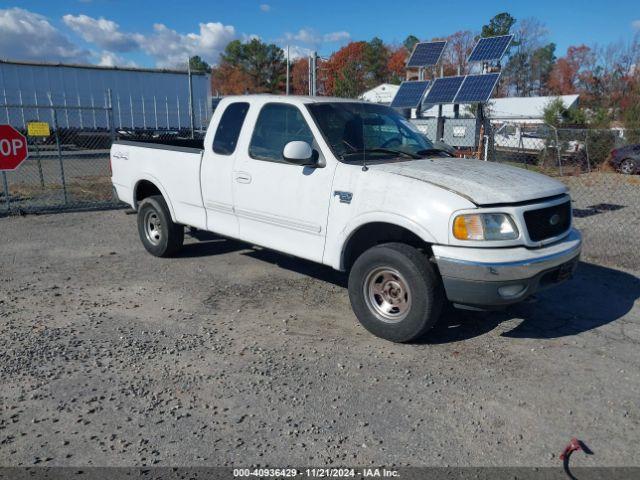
(600, 166)
(68, 165)
(69, 168)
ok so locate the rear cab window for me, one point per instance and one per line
(228, 131)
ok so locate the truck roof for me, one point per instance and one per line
(266, 97)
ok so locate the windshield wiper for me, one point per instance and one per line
(383, 150)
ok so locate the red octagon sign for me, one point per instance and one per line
(13, 148)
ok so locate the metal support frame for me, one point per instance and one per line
(191, 118)
(5, 186)
(54, 121)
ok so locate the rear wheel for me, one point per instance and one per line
(159, 234)
(395, 292)
(628, 166)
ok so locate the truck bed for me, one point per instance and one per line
(174, 166)
(196, 144)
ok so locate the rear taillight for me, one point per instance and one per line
(614, 152)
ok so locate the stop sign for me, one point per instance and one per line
(13, 148)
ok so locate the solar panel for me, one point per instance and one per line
(477, 88)
(490, 48)
(410, 94)
(426, 54)
(444, 90)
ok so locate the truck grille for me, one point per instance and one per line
(548, 222)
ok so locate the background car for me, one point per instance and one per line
(626, 159)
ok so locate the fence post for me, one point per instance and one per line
(54, 118)
(112, 131)
(191, 112)
(558, 150)
(35, 142)
(5, 185)
(586, 150)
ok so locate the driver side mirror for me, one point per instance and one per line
(300, 153)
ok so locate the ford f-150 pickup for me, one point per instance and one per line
(356, 186)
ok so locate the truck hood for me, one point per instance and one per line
(483, 183)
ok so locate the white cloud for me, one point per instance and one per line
(315, 39)
(102, 32)
(341, 36)
(296, 52)
(30, 36)
(168, 47)
(110, 59)
(636, 24)
(265, 7)
(25, 35)
(171, 49)
(304, 35)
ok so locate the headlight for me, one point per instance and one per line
(485, 226)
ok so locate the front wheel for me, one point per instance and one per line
(395, 292)
(159, 234)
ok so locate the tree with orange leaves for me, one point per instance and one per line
(569, 70)
(345, 71)
(396, 64)
(300, 76)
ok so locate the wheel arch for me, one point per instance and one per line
(371, 233)
(148, 186)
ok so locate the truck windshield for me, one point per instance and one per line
(360, 131)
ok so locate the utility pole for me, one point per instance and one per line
(309, 75)
(313, 73)
(288, 69)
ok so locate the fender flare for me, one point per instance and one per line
(342, 239)
(150, 178)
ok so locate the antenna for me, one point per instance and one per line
(364, 143)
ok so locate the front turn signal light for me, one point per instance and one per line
(484, 226)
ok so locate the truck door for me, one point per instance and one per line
(217, 168)
(280, 205)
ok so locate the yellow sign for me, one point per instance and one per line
(38, 129)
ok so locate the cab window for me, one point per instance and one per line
(277, 125)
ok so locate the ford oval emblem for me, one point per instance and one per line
(554, 220)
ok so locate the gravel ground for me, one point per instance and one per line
(230, 355)
(607, 210)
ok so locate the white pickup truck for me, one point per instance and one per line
(356, 186)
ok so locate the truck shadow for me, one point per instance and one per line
(209, 244)
(596, 296)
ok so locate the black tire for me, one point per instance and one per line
(168, 237)
(628, 166)
(423, 299)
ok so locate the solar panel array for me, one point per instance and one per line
(490, 48)
(426, 54)
(444, 90)
(476, 88)
(410, 94)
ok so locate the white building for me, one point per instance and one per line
(383, 93)
(510, 109)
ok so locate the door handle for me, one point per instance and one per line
(242, 177)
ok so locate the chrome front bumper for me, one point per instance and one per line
(488, 277)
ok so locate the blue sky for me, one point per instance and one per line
(161, 33)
